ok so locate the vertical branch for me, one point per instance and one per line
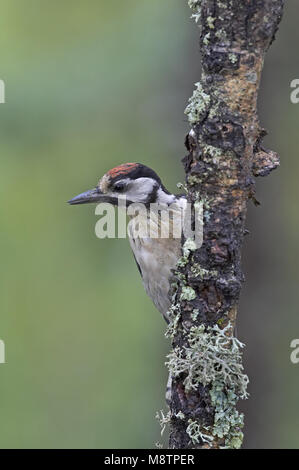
(225, 153)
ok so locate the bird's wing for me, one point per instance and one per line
(138, 266)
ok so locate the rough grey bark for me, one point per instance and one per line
(225, 154)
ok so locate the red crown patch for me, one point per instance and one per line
(122, 169)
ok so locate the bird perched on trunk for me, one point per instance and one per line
(156, 248)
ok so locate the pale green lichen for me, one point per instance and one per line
(182, 186)
(164, 420)
(174, 312)
(180, 415)
(181, 277)
(158, 445)
(210, 22)
(214, 151)
(193, 180)
(198, 105)
(188, 293)
(173, 315)
(213, 154)
(188, 247)
(221, 4)
(214, 359)
(194, 314)
(195, 6)
(213, 112)
(206, 39)
(194, 431)
(211, 356)
(233, 58)
(202, 273)
(228, 422)
(225, 160)
(221, 34)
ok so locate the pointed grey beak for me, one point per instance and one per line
(93, 195)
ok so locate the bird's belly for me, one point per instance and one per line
(156, 258)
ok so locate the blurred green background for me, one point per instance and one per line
(91, 84)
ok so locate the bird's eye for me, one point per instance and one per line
(120, 186)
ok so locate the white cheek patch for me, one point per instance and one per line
(139, 190)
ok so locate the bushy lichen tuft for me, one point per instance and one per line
(164, 420)
(195, 6)
(211, 356)
(214, 359)
(195, 433)
(198, 105)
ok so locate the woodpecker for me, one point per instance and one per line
(155, 256)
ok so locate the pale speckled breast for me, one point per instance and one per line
(156, 257)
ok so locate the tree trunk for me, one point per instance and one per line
(225, 153)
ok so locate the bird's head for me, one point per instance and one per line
(134, 182)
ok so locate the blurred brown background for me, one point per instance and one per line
(88, 84)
